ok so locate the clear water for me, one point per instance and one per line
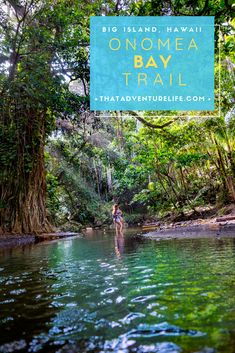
(97, 294)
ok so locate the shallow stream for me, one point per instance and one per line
(105, 294)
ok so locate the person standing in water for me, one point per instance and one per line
(117, 218)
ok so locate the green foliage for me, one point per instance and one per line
(92, 162)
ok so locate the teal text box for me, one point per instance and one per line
(152, 63)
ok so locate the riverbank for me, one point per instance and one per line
(206, 222)
(14, 240)
(193, 229)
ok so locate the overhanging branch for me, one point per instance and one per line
(147, 123)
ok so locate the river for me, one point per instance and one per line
(105, 294)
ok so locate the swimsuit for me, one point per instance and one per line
(117, 217)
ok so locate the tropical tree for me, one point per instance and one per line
(43, 47)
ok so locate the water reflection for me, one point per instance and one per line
(104, 293)
(25, 293)
(119, 245)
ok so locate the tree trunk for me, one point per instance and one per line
(23, 182)
(22, 129)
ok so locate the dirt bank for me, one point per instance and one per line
(14, 240)
(189, 230)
